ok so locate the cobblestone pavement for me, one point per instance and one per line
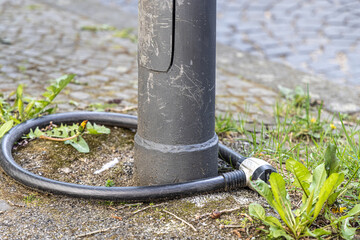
(34, 51)
(44, 44)
(39, 50)
(317, 36)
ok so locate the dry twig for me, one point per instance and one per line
(182, 220)
(230, 210)
(237, 233)
(221, 212)
(202, 216)
(117, 217)
(59, 139)
(124, 206)
(131, 205)
(15, 205)
(247, 216)
(112, 208)
(143, 209)
(95, 232)
(230, 226)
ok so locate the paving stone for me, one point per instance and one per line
(284, 7)
(16, 75)
(323, 64)
(259, 14)
(267, 43)
(261, 92)
(226, 106)
(8, 69)
(306, 49)
(343, 42)
(97, 63)
(308, 17)
(10, 50)
(4, 206)
(237, 92)
(270, 102)
(277, 51)
(251, 108)
(345, 108)
(258, 6)
(80, 95)
(36, 61)
(336, 19)
(257, 36)
(237, 82)
(48, 59)
(334, 31)
(339, 76)
(353, 22)
(76, 71)
(285, 35)
(305, 33)
(99, 78)
(243, 46)
(8, 86)
(265, 77)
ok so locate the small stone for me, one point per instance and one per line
(4, 206)
(99, 78)
(65, 170)
(122, 69)
(80, 95)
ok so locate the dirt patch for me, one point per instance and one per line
(62, 162)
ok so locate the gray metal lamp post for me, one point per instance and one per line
(176, 141)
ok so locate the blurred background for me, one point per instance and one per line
(321, 37)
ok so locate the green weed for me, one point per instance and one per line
(22, 68)
(318, 192)
(24, 108)
(33, 7)
(109, 183)
(127, 33)
(100, 107)
(29, 199)
(224, 221)
(303, 135)
(96, 28)
(226, 123)
(70, 134)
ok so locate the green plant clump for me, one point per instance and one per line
(319, 190)
(30, 198)
(109, 183)
(25, 108)
(70, 134)
(126, 33)
(226, 123)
